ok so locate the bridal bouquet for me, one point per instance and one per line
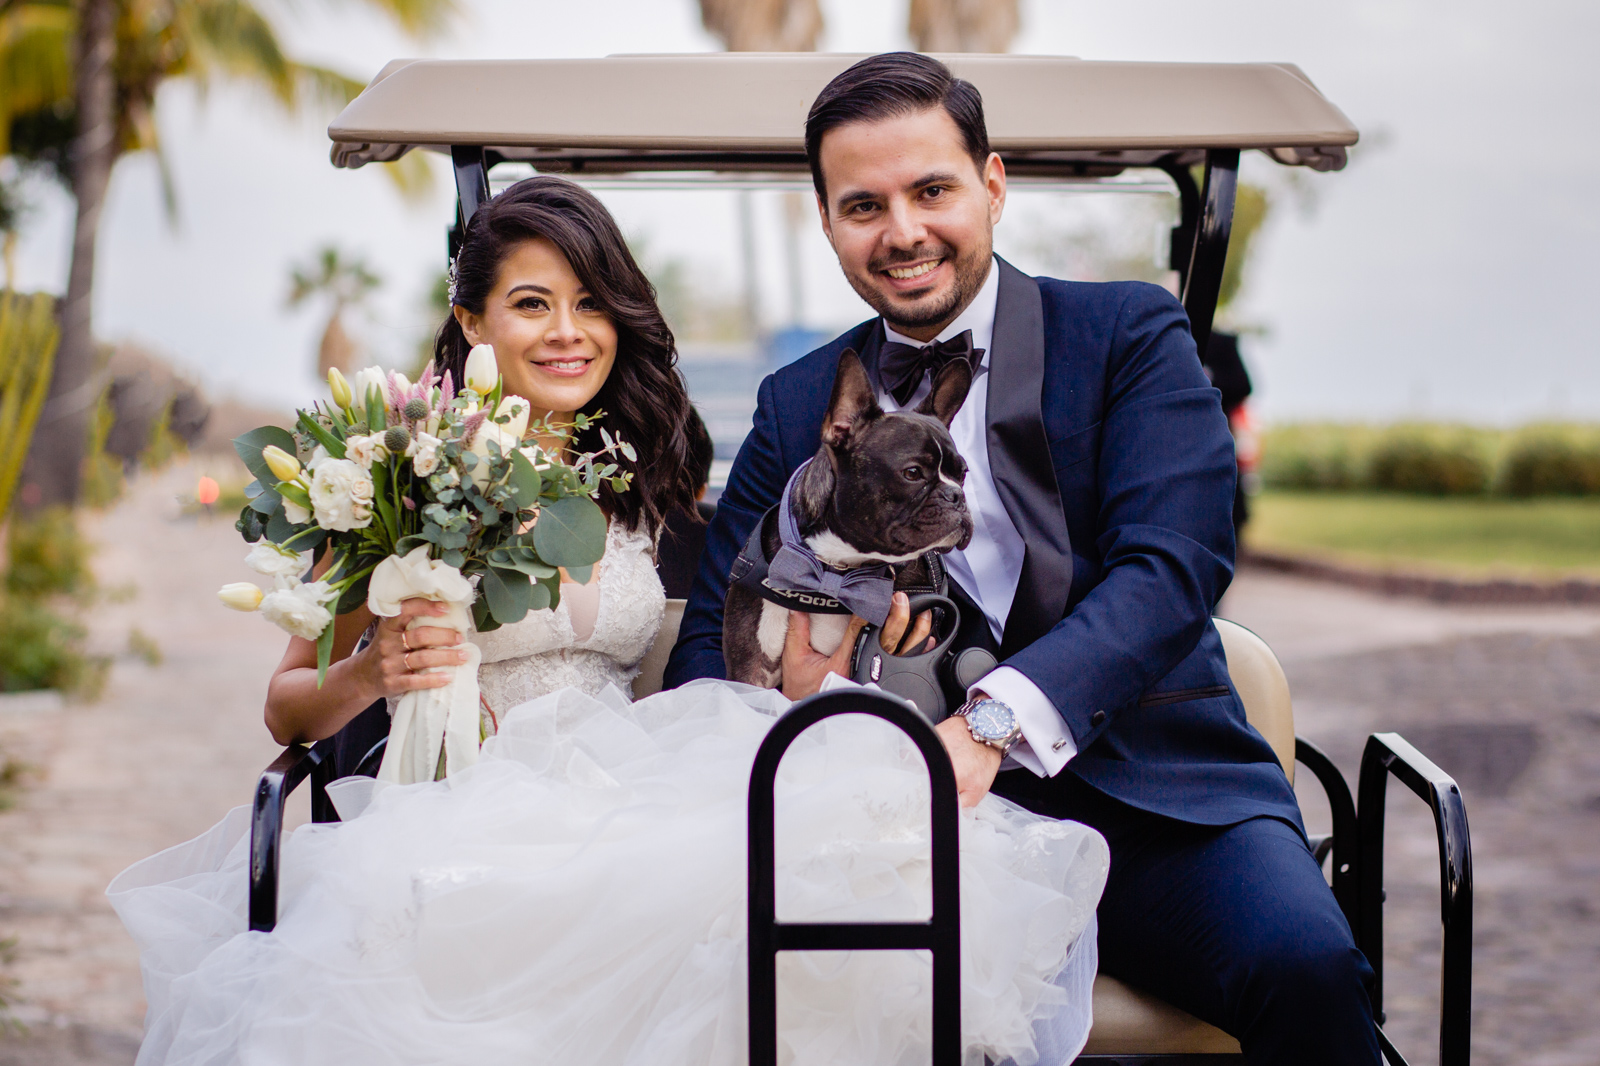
(421, 490)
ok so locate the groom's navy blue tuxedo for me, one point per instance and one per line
(1110, 451)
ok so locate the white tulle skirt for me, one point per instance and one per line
(578, 897)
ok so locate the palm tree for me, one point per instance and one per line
(346, 283)
(119, 53)
(763, 25)
(963, 25)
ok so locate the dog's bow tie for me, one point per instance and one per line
(901, 366)
(867, 590)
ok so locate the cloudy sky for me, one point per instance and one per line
(1442, 275)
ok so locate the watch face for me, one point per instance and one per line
(992, 720)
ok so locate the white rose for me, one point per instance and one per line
(424, 453)
(341, 495)
(366, 450)
(296, 514)
(281, 564)
(300, 611)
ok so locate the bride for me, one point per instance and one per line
(577, 896)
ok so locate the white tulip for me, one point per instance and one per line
(240, 595)
(516, 408)
(489, 431)
(482, 371)
(300, 611)
(283, 565)
(367, 380)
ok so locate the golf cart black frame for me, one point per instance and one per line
(1355, 846)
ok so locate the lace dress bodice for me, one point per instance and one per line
(543, 653)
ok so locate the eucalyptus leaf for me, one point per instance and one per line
(508, 594)
(265, 502)
(581, 574)
(524, 560)
(570, 532)
(249, 446)
(482, 620)
(251, 524)
(540, 598)
(524, 480)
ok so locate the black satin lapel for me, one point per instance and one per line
(1019, 459)
(871, 350)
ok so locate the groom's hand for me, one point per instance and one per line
(804, 667)
(975, 763)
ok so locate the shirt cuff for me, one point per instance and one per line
(1046, 746)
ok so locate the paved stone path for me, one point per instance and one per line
(160, 757)
(170, 748)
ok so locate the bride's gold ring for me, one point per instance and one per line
(406, 658)
(405, 638)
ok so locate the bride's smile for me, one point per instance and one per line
(554, 344)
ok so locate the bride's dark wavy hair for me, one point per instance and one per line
(644, 398)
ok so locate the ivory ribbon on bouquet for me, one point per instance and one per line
(428, 720)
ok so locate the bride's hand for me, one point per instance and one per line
(396, 655)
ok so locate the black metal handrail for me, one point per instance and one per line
(1346, 833)
(266, 828)
(1389, 753)
(940, 935)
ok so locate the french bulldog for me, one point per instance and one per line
(882, 488)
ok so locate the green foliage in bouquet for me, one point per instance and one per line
(390, 466)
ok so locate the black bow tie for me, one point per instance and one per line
(901, 366)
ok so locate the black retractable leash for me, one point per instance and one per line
(920, 678)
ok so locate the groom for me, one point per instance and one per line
(1100, 481)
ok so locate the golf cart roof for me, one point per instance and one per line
(1049, 116)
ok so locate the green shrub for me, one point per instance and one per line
(1551, 461)
(40, 649)
(48, 556)
(1430, 462)
(1315, 456)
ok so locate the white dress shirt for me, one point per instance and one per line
(990, 566)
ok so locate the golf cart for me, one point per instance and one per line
(736, 120)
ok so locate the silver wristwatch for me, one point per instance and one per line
(991, 722)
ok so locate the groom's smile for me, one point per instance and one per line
(910, 215)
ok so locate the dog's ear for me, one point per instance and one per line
(815, 489)
(853, 401)
(949, 391)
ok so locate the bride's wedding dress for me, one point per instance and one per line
(578, 896)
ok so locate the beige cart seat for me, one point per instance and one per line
(1126, 1021)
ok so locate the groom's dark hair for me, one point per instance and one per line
(889, 85)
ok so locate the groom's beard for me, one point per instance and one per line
(970, 271)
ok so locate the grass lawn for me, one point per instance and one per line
(1462, 535)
